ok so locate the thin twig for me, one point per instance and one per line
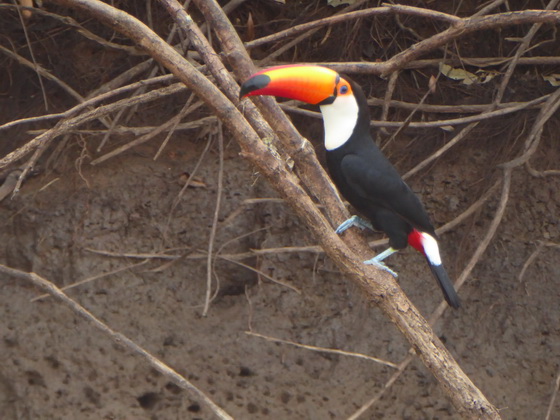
(388, 95)
(422, 12)
(182, 114)
(260, 273)
(469, 211)
(67, 124)
(484, 115)
(323, 349)
(193, 173)
(487, 8)
(308, 32)
(10, 183)
(401, 367)
(483, 244)
(456, 109)
(530, 260)
(139, 131)
(44, 73)
(409, 117)
(540, 246)
(118, 338)
(522, 48)
(92, 101)
(32, 54)
(93, 278)
(533, 139)
(462, 28)
(553, 397)
(367, 67)
(298, 29)
(215, 219)
(453, 142)
(235, 258)
(166, 126)
(154, 255)
(83, 31)
(541, 174)
(153, 71)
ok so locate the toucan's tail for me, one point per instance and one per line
(427, 245)
(445, 283)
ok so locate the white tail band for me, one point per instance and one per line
(431, 249)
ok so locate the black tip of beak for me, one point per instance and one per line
(254, 83)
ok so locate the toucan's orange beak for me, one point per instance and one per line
(308, 83)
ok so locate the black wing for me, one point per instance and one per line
(378, 182)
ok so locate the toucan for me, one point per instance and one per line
(363, 175)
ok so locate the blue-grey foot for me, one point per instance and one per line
(354, 221)
(378, 261)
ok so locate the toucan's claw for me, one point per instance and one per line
(378, 261)
(354, 221)
(382, 266)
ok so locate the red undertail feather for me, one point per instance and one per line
(415, 240)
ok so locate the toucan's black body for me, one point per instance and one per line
(372, 185)
(361, 172)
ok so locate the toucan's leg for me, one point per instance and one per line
(354, 221)
(378, 261)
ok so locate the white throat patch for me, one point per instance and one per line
(339, 119)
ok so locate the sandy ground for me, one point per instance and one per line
(108, 223)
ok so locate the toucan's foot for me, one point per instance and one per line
(378, 261)
(381, 265)
(354, 221)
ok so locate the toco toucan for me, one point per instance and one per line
(358, 168)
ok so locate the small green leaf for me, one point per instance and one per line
(458, 74)
(553, 79)
(335, 3)
(465, 77)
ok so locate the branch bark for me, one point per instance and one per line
(380, 287)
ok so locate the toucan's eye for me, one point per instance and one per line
(343, 90)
